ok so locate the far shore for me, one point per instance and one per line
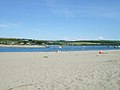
(24, 46)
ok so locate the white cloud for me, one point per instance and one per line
(100, 38)
(10, 25)
(99, 11)
(57, 7)
(76, 38)
(91, 9)
(69, 38)
(63, 11)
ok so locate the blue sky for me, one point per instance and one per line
(60, 19)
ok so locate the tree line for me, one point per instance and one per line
(16, 41)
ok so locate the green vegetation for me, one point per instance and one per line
(95, 42)
(14, 41)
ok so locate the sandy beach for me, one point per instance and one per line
(79, 70)
(23, 46)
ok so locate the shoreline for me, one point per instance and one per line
(23, 46)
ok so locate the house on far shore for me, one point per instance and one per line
(21, 43)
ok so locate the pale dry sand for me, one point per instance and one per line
(24, 46)
(85, 70)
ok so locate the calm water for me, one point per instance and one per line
(56, 48)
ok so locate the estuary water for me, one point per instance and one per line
(57, 48)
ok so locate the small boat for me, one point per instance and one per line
(83, 47)
(116, 46)
(60, 46)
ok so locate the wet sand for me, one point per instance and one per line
(83, 70)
